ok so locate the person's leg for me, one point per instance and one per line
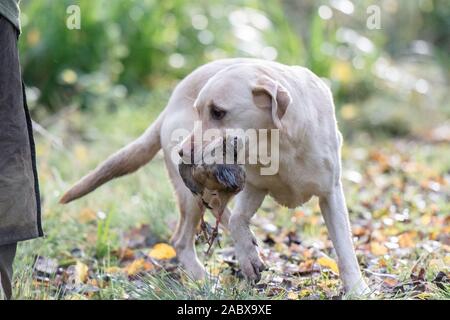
(7, 254)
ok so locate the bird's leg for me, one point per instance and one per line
(203, 226)
(215, 231)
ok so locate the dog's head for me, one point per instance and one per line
(242, 97)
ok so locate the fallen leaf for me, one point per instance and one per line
(424, 295)
(162, 251)
(328, 263)
(391, 282)
(137, 266)
(304, 293)
(124, 254)
(406, 240)
(447, 260)
(82, 271)
(359, 231)
(306, 266)
(378, 249)
(77, 274)
(113, 270)
(292, 296)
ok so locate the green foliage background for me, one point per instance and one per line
(124, 49)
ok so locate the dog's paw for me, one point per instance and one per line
(252, 266)
(362, 289)
(191, 265)
(359, 290)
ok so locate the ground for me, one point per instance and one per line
(114, 242)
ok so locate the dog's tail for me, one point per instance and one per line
(126, 160)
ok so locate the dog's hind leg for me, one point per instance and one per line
(334, 211)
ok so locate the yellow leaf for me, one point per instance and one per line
(113, 270)
(306, 266)
(447, 260)
(82, 271)
(78, 273)
(405, 240)
(328, 263)
(135, 267)
(382, 263)
(215, 271)
(162, 251)
(304, 293)
(378, 249)
(292, 296)
(424, 295)
(75, 296)
(436, 264)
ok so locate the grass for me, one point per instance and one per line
(92, 229)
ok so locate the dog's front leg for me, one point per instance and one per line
(247, 202)
(334, 211)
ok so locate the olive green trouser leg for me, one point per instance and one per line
(7, 254)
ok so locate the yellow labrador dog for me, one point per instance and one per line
(258, 95)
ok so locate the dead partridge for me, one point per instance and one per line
(214, 184)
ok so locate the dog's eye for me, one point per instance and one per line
(217, 114)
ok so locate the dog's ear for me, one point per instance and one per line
(268, 93)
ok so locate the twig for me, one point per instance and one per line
(381, 275)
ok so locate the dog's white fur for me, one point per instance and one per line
(256, 94)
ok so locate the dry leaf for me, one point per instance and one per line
(292, 296)
(113, 270)
(447, 260)
(359, 231)
(77, 273)
(306, 266)
(137, 266)
(124, 254)
(378, 249)
(328, 263)
(424, 295)
(304, 293)
(405, 240)
(81, 270)
(391, 282)
(162, 251)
